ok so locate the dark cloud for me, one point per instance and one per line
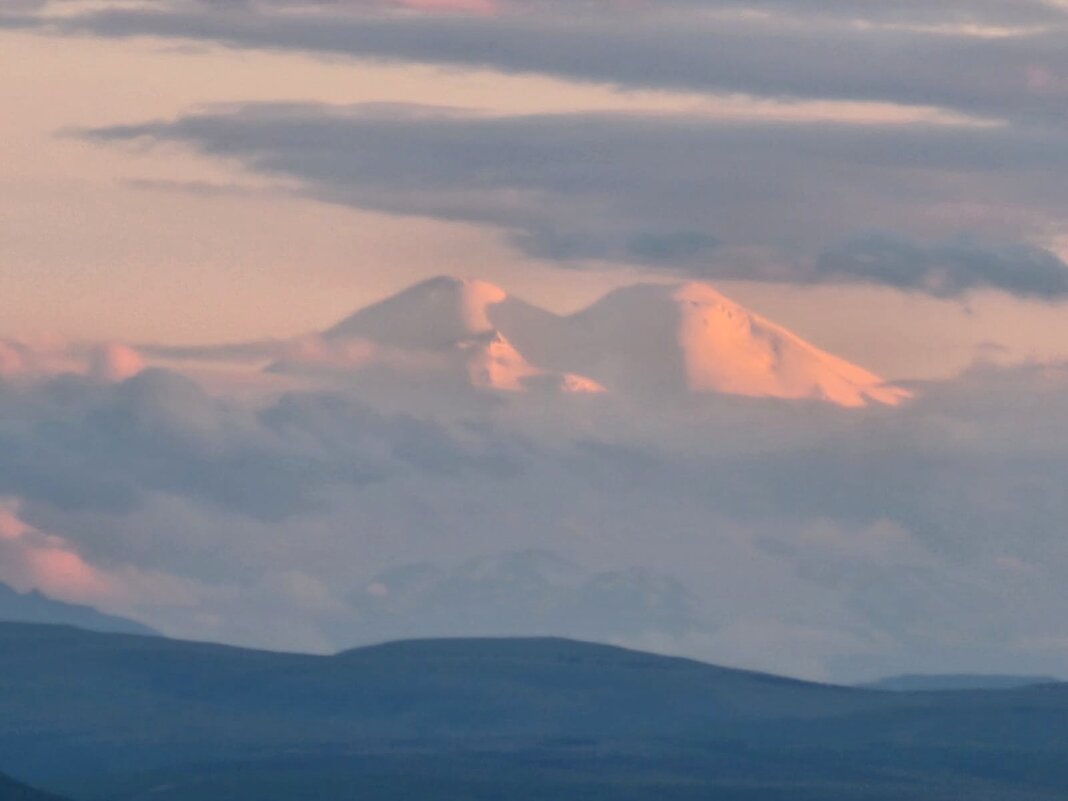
(74, 444)
(948, 269)
(762, 201)
(915, 12)
(977, 12)
(785, 53)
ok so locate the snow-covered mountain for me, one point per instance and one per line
(646, 340)
(431, 314)
(689, 338)
(444, 327)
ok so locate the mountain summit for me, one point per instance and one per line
(432, 314)
(690, 338)
(650, 340)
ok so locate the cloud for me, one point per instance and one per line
(924, 537)
(875, 540)
(249, 6)
(683, 194)
(31, 559)
(78, 444)
(530, 592)
(33, 360)
(880, 540)
(903, 52)
(1004, 12)
(948, 269)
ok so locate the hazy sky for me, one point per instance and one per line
(884, 177)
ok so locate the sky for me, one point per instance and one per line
(884, 178)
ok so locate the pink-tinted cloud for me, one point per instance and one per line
(26, 360)
(114, 362)
(468, 6)
(429, 6)
(32, 559)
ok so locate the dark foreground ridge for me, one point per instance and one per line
(119, 717)
(11, 790)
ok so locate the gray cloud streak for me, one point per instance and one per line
(948, 268)
(810, 56)
(712, 199)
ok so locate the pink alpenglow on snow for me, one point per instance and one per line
(647, 339)
(727, 348)
(445, 326)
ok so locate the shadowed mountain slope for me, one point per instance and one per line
(35, 607)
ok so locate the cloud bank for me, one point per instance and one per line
(683, 194)
(841, 545)
(907, 53)
(958, 195)
(782, 536)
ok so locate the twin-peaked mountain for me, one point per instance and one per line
(453, 326)
(649, 340)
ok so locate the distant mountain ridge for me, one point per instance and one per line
(36, 607)
(646, 339)
(516, 593)
(11, 790)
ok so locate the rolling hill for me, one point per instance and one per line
(11, 790)
(104, 716)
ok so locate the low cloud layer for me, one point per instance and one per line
(684, 194)
(80, 444)
(517, 593)
(839, 545)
